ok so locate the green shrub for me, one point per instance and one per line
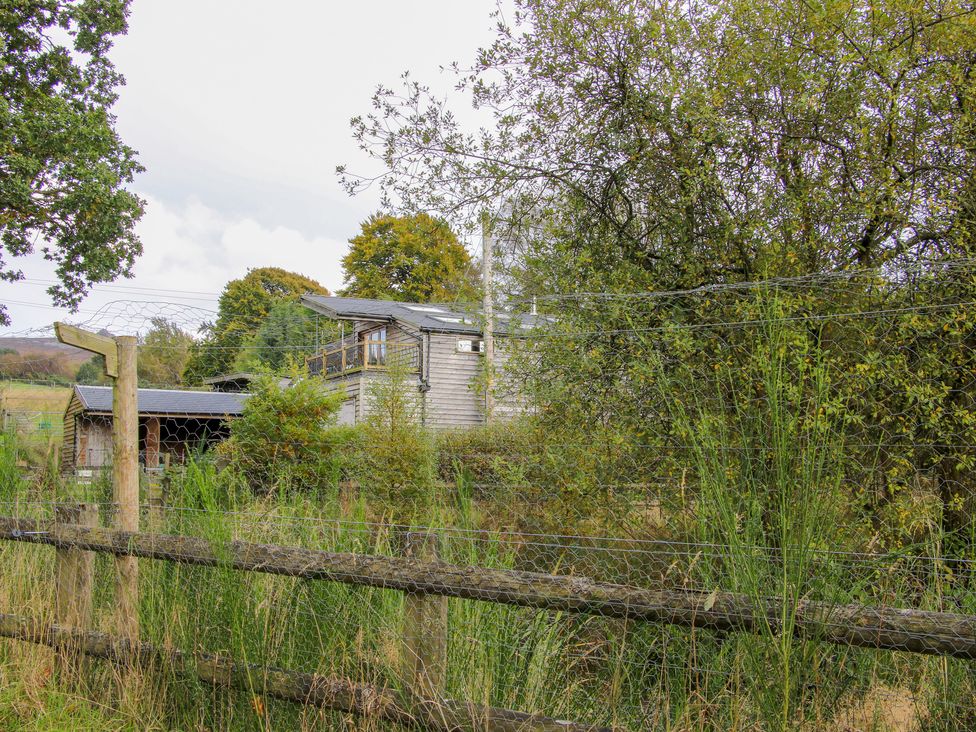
(489, 455)
(287, 437)
(398, 459)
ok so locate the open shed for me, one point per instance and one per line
(171, 421)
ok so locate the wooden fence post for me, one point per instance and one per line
(120, 364)
(125, 481)
(74, 571)
(158, 488)
(423, 664)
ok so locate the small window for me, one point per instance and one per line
(470, 345)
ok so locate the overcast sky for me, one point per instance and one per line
(240, 115)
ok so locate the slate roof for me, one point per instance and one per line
(431, 318)
(166, 401)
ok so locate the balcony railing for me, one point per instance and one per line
(344, 358)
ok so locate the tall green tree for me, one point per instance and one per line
(282, 341)
(92, 371)
(63, 168)
(671, 146)
(414, 258)
(244, 305)
(163, 354)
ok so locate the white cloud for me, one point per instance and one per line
(249, 109)
(191, 251)
(191, 247)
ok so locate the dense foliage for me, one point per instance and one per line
(687, 150)
(282, 341)
(163, 354)
(398, 457)
(92, 371)
(662, 145)
(286, 437)
(63, 168)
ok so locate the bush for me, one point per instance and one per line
(398, 459)
(488, 455)
(287, 437)
(92, 371)
(560, 480)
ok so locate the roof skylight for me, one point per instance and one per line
(423, 309)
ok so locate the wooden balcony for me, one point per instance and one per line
(343, 358)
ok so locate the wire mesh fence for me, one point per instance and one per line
(793, 443)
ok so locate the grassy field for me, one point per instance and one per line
(35, 412)
(19, 396)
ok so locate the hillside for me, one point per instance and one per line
(48, 347)
(39, 359)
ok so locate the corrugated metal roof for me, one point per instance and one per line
(436, 318)
(166, 401)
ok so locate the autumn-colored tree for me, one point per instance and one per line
(63, 168)
(413, 258)
(244, 305)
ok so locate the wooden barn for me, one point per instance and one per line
(171, 421)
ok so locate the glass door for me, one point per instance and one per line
(376, 347)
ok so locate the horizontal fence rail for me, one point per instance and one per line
(918, 631)
(323, 691)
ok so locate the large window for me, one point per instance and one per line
(376, 347)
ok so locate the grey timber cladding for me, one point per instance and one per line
(452, 399)
(165, 401)
(351, 388)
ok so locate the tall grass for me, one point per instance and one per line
(760, 510)
(768, 471)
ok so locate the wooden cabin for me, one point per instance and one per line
(171, 421)
(440, 347)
